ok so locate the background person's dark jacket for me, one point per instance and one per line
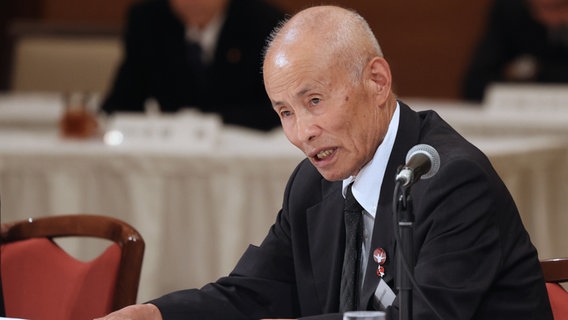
(156, 65)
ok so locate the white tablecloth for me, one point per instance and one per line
(474, 119)
(30, 111)
(198, 209)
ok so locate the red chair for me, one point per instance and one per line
(40, 281)
(555, 272)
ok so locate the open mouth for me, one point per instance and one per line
(324, 154)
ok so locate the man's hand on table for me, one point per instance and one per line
(135, 312)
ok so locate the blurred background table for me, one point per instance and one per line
(199, 206)
(30, 112)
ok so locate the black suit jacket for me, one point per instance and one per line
(474, 259)
(156, 65)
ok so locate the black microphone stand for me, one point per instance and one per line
(405, 256)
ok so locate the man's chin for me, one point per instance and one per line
(332, 176)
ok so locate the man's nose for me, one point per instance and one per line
(307, 128)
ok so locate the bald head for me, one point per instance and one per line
(328, 32)
(327, 80)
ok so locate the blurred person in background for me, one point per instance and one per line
(197, 53)
(524, 41)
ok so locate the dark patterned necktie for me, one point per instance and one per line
(349, 292)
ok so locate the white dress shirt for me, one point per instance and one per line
(206, 37)
(367, 186)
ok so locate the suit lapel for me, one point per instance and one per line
(326, 236)
(383, 237)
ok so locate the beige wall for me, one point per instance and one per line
(428, 43)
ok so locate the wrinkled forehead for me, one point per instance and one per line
(292, 64)
(292, 46)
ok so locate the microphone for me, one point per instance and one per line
(422, 161)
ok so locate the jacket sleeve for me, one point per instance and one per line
(262, 285)
(470, 246)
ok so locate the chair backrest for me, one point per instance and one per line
(41, 281)
(555, 272)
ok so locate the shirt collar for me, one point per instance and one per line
(367, 184)
(207, 37)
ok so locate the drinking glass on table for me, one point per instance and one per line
(78, 121)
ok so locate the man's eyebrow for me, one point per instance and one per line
(276, 104)
(303, 92)
(299, 94)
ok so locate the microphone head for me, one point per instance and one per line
(431, 153)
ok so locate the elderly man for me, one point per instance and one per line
(331, 87)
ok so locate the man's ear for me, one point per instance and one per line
(380, 75)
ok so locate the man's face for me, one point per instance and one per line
(197, 12)
(334, 120)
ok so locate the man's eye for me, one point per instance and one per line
(315, 101)
(285, 113)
